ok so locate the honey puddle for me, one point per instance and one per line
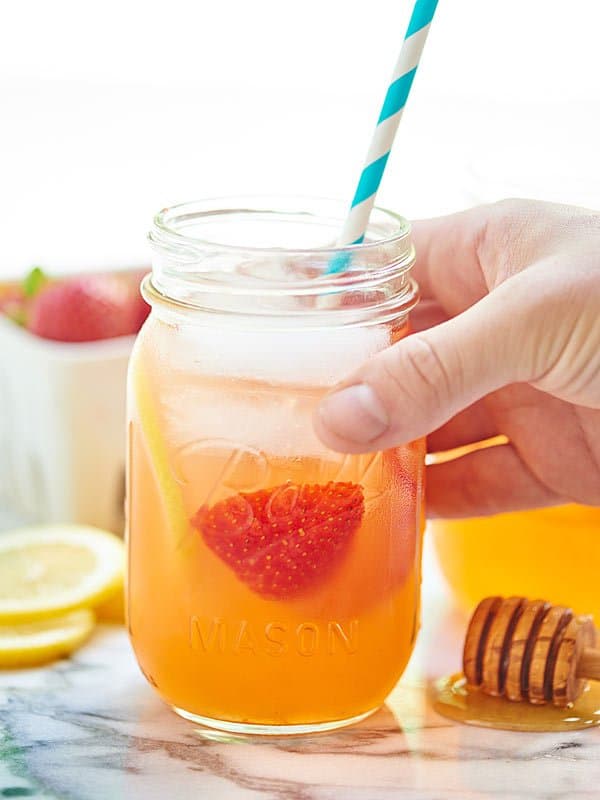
(452, 699)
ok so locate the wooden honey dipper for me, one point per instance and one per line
(530, 650)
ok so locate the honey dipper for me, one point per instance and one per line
(530, 650)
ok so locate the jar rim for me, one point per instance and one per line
(231, 271)
(165, 232)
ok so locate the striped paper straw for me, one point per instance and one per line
(357, 220)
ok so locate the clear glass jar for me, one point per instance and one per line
(273, 584)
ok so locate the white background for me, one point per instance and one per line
(112, 110)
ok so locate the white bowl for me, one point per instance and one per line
(62, 428)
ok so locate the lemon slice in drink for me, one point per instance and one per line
(30, 643)
(52, 569)
(157, 449)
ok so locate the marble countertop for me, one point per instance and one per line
(90, 728)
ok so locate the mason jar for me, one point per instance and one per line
(273, 583)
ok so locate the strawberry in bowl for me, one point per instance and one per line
(84, 308)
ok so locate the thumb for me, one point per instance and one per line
(418, 384)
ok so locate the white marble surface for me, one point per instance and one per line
(90, 728)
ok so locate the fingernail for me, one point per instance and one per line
(355, 414)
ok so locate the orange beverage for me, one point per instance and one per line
(551, 553)
(273, 583)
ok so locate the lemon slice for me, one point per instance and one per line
(157, 448)
(113, 609)
(31, 643)
(52, 569)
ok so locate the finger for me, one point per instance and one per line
(418, 384)
(484, 482)
(474, 424)
(447, 268)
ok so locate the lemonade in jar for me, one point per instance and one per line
(273, 584)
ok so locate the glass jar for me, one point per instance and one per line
(273, 583)
(551, 553)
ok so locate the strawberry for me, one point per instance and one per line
(283, 541)
(140, 307)
(87, 308)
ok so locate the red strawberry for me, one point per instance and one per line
(282, 541)
(87, 308)
(140, 306)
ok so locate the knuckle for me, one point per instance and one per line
(510, 208)
(418, 371)
(506, 238)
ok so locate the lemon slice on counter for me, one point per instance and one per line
(113, 609)
(29, 643)
(52, 569)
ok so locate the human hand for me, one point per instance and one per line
(507, 341)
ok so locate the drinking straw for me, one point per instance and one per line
(397, 94)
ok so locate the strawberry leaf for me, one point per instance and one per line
(34, 282)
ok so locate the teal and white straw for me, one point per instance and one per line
(356, 223)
